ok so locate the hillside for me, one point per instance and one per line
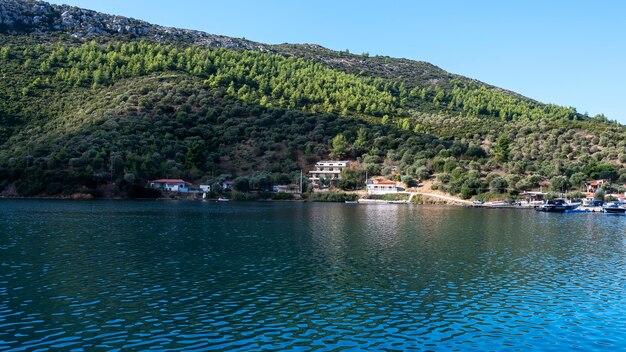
(93, 101)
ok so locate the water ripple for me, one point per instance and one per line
(186, 276)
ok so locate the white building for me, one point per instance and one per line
(172, 185)
(328, 169)
(205, 188)
(382, 186)
(281, 189)
(228, 184)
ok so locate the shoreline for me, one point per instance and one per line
(358, 202)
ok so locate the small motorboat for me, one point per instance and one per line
(557, 206)
(613, 208)
(352, 202)
(222, 199)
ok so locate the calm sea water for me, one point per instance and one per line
(168, 275)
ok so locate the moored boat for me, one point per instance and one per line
(557, 206)
(613, 208)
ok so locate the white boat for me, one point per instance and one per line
(557, 206)
(222, 199)
(613, 208)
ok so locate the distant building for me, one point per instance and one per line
(228, 184)
(171, 185)
(328, 170)
(533, 197)
(280, 189)
(593, 186)
(205, 188)
(382, 186)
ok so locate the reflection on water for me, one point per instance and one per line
(196, 276)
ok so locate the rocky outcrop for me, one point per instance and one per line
(29, 16)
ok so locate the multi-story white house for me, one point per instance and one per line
(328, 169)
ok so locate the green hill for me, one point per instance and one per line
(98, 103)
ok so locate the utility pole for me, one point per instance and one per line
(111, 162)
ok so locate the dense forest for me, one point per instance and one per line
(106, 113)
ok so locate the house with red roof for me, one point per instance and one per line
(594, 185)
(381, 185)
(171, 185)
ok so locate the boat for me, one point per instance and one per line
(499, 204)
(557, 206)
(613, 208)
(222, 199)
(352, 202)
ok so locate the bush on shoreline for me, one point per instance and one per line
(332, 197)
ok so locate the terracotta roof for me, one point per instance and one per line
(170, 180)
(383, 181)
(597, 182)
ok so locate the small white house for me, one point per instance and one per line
(205, 188)
(280, 188)
(171, 185)
(382, 186)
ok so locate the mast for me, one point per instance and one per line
(366, 177)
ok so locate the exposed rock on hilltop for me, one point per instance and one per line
(29, 16)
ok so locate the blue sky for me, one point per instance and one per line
(567, 52)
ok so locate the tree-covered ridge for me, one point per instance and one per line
(177, 126)
(255, 77)
(78, 115)
(274, 80)
(425, 87)
(473, 99)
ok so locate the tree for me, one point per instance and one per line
(498, 185)
(599, 195)
(502, 149)
(361, 141)
(242, 184)
(339, 146)
(577, 180)
(601, 171)
(350, 179)
(475, 151)
(470, 187)
(551, 195)
(409, 181)
(559, 184)
(576, 195)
